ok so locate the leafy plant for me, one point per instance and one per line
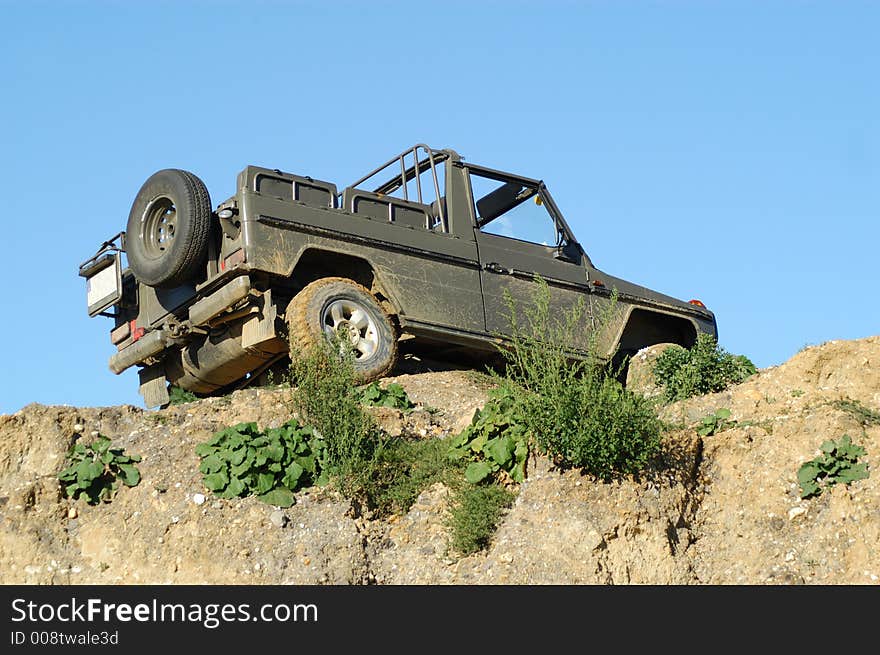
(393, 396)
(715, 423)
(496, 440)
(705, 368)
(838, 462)
(475, 513)
(95, 470)
(403, 468)
(242, 460)
(180, 396)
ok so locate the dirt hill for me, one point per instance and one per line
(722, 509)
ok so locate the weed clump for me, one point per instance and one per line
(475, 513)
(178, 396)
(326, 398)
(393, 396)
(705, 368)
(403, 468)
(575, 410)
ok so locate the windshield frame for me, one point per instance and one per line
(538, 185)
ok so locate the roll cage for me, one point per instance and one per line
(398, 172)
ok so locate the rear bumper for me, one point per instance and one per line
(200, 313)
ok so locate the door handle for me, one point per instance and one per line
(494, 267)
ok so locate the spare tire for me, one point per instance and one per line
(166, 238)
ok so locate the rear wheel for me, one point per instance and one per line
(337, 307)
(166, 238)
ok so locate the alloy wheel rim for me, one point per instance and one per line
(349, 322)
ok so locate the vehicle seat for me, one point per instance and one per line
(437, 218)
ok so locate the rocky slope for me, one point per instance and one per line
(721, 509)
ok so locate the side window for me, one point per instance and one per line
(514, 210)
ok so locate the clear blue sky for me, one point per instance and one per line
(727, 150)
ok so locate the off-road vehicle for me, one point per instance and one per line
(425, 248)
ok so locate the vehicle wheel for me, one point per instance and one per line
(166, 238)
(337, 305)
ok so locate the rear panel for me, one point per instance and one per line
(429, 276)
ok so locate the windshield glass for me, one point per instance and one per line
(513, 209)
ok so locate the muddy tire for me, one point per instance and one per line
(339, 305)
(166, 238)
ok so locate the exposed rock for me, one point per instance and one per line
(412, 549)
(749, 473)
(795, 512)
(562, 532)
(640, 371)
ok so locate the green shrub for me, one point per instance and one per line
(393, 396)
(837, 463)
(385, 474)
(705, 368)
(576, 411)
(599, 426)
(536, 355)
(94, 470)
(242, 460)
(475, 513)
(325, 397)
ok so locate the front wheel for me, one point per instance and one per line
(340, 308)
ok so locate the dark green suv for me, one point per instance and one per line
(422, 248)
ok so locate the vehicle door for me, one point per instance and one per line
(518, 238)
